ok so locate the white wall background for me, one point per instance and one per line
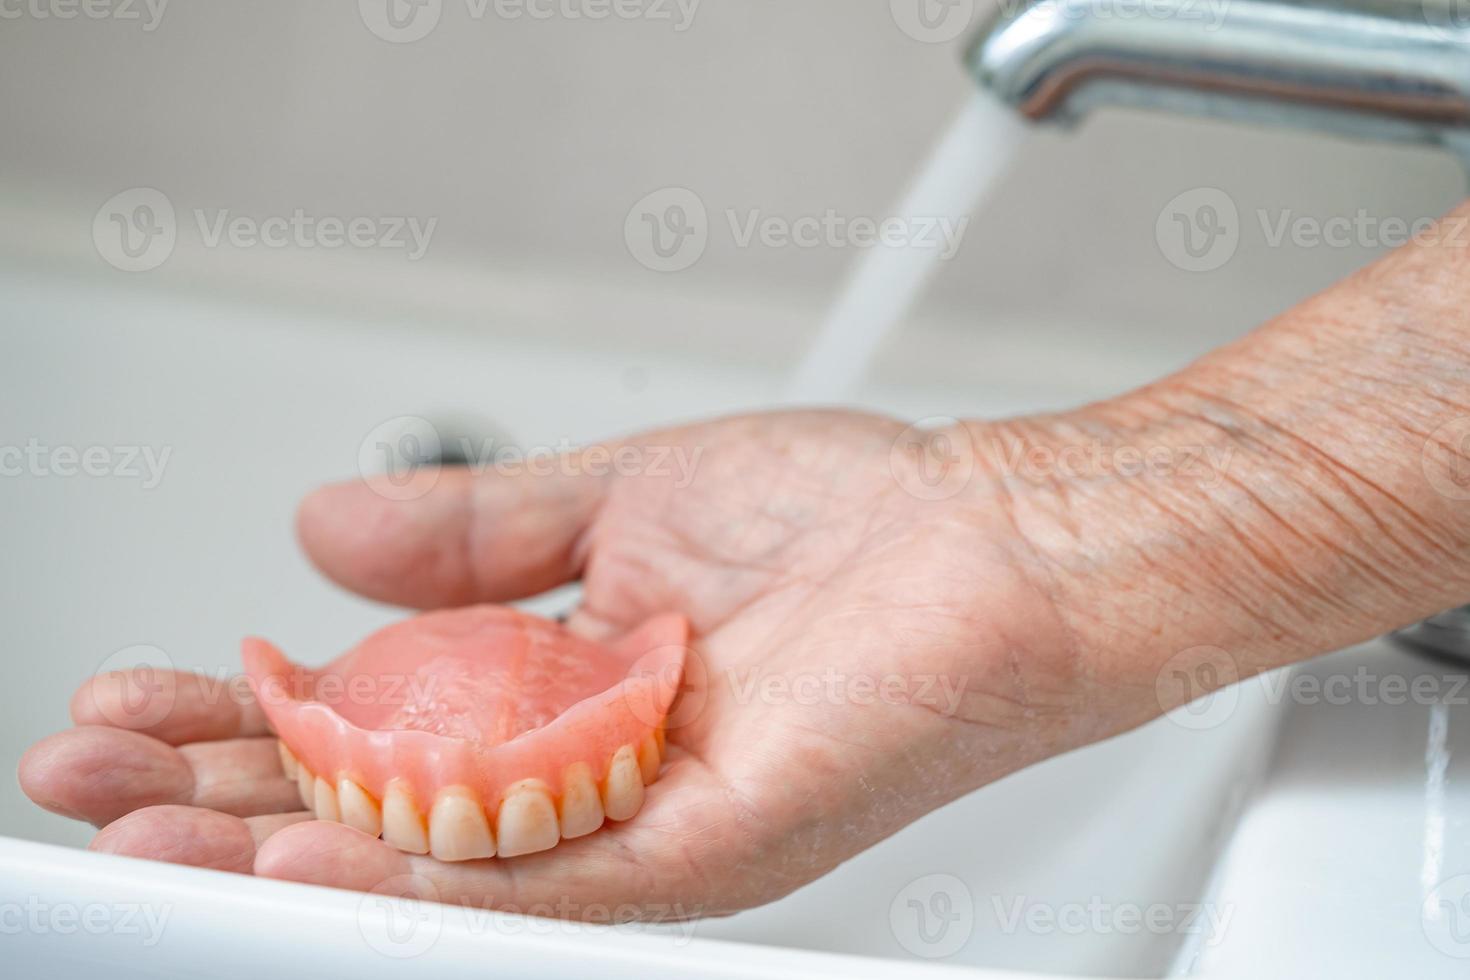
(530, 139)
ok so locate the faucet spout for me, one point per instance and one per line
(1373, 69)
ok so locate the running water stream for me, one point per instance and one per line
(889, 278)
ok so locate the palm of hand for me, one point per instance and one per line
(863, 655)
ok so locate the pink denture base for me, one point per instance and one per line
(482, 697)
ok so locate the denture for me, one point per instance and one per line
(475, 732)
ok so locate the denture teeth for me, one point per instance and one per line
(528, 819)
(306, 786)
(288, 760)
(622, 794)
(458, 829)
(581, 807)
(402, 825)
(325, 803)
(648, 759)
(359, 810)
(531, 818)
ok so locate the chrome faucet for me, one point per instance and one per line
(1396, 70)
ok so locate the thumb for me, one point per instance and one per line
(469, 538)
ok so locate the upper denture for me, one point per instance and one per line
(474, 732)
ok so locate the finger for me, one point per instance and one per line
(574, 878)
(490, 538)
(193, 836)
(99, 774)
(267, 825)
(332, 854)
(674, 860)
(242, 776)
(172, 706)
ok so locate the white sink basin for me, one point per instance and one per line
(1057, 870)
(1353, 860)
